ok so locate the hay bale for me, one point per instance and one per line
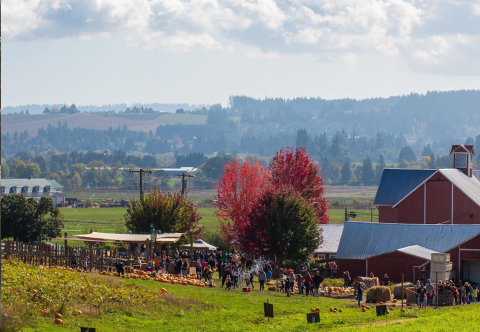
(370, 282)
(411, 298)
(379, 294)
(397, 290)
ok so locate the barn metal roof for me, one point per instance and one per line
(470, 186)
(331, 238)
(361, 240)
(396, 183)
(418, 251)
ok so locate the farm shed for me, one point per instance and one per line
(331, 235)
(417, 196)
(368, 247)
(34, 188)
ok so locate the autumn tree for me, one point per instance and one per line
(237, 193)
(169, 212)
(283, 224)
(293, 168)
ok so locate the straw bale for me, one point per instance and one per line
(411, 298)
(370, 282)
(397, 290)
(379, 294)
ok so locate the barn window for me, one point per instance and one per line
(332, 256)
(321, 256)
(461, 160)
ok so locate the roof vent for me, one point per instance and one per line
(462, 158)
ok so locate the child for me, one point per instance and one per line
(474, 294)
(85, 265)
(229, 283)
(463, 295)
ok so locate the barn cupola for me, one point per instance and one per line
(462, 158)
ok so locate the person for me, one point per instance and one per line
(416, 288)
(228, 283)
(235, 274)
(386, 280)
(346, 279)
(85, 265)
(224, 257)
(251, 274)
(291, 280)
(262, 276)
(421, 291)
(234, 258)
(210, 277)
(74, 259)
(243, 261)
(185, 268)
(373, 277)
(198, 270)
(307, 281)
(474, 294)
(299, 284)
(463, 295)
(156, 264)
(430, 293)
(317, 280)
(360, 289)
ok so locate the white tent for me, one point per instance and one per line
(161, 238)
(200, 244)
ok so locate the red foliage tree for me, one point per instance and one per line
(238, 192)
(294, 169)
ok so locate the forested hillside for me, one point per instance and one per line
(352, 140)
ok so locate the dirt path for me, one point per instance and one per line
(384, 322)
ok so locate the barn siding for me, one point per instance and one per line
(387, 215)
(465, 211)
(439, 199)
(356, 267)
(394, 264)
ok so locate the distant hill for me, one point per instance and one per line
(31, 123)
(38, 109)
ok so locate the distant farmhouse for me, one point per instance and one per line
(34, 188)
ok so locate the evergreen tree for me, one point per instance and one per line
(380, 166)
(346, 173)
(407, 154)
(367, 170)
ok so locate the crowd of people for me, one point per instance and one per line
(463, 293)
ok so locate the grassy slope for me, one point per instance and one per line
(219, 310)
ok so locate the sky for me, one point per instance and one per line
(94, 52)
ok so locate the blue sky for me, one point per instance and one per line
(202, 51)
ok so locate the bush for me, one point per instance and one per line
(333, 282)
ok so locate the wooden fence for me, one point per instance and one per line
(57, 255)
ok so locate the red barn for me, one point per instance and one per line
(405, 248)
(443, 196)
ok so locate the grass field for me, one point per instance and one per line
(182, 118)
(208, 219)
(191, 308)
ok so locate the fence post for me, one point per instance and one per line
(403, 290)
(436, 289)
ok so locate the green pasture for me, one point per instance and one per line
(182, 118)
(111, 219)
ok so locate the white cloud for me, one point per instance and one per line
(338, 29)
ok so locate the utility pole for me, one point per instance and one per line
(183, 191)
(184, 177)
(141, 171)
(346, 215)
(371, 214)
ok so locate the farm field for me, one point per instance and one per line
(208, 219)
(116, 304)
(182, 118)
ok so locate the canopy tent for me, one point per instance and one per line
(135, 238)
(200, 244)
